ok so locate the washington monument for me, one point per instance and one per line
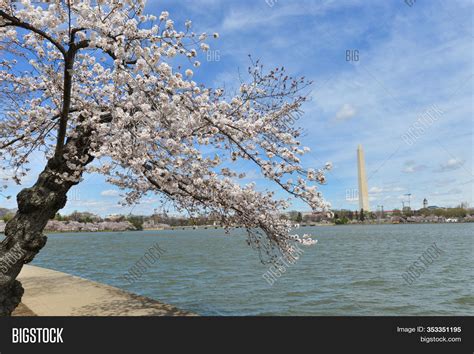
(363, 191)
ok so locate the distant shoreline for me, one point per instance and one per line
(174, 228)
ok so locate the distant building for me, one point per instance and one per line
(425, 203)
(152, 225)
(114, 217)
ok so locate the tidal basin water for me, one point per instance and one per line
(352, 270)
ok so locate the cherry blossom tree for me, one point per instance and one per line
(101, 87)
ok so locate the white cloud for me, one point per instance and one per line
(376, 190)
(346, 112)
(451, 165)
(411, 167)
(273, 13)
(110, 193)
(449, 192)
(245, 18)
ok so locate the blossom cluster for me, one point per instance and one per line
(165, 133)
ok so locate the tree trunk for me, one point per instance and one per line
(36, 205)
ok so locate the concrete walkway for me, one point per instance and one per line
(52, 293)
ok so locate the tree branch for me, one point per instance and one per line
(67, 88)
(11, 142)
(18, 23)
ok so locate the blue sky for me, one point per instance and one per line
(412, 61)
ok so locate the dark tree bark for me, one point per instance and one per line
(36, 205)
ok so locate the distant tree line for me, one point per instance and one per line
(339, 216)
(87, 217)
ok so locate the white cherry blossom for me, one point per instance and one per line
(103, 71)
